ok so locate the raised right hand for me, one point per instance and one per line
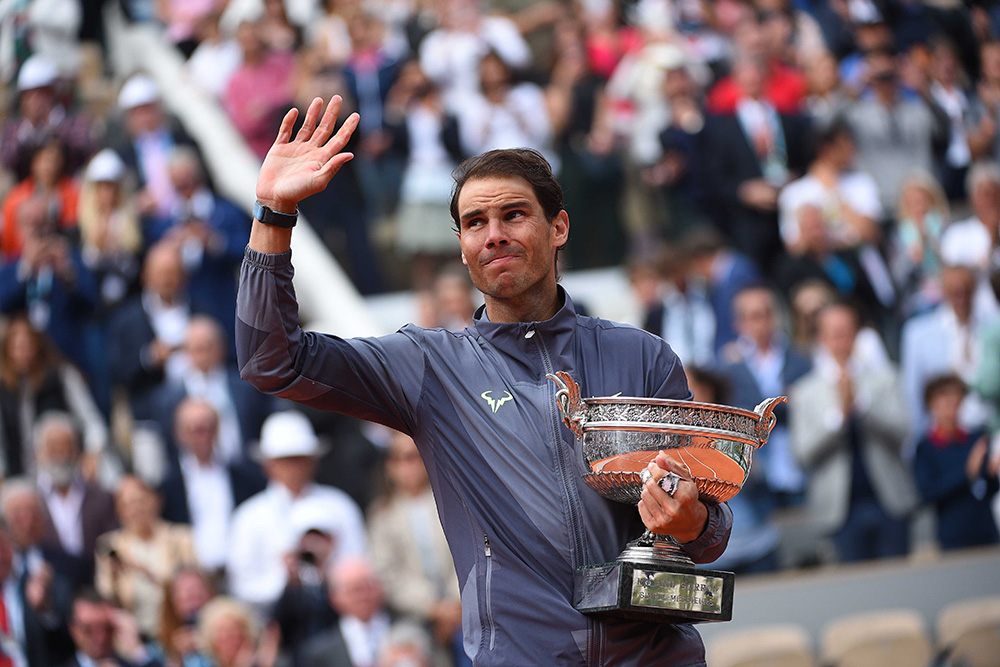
(297, 168)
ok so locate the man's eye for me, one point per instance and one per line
(514, 214)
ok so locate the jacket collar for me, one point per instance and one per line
(560, 324)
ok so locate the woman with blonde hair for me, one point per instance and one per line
(921, 215)
(231, 635)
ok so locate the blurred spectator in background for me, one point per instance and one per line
(260, 90)
(973, 242)
(449, 302)
(358, 597)
(405, 645)
(264, 527)
(77, 510)
(942, 340)
(451, 54)
(135, 562)
(149, 138)
(954, 469)
(504, 114)
(202, 488)
(277, 31)
(684, 314)
(753, 544)
(819, 257)
(947, 89)
(211, 233)
(187, 594)
(39, 585)
(111, 236)
(34, 380)
(409, 550)
(827, 98)
(761, 364)
(205, 375)
(984, 108)
(725, 271)
(50, 284)
(848, 422)
(47, 181)
(330, 39)
(433, 150)
(215, 58)
(895, 133)
(986, 381)
(181, 19)
(753, 151)
(915, 248)
(148, 331)
(103, 635)
(40, 116)
(230, 635)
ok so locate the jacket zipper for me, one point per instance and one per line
(568, 487)
(489, 580)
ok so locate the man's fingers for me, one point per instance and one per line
(309, 124)
(326, 125)
(334, 164)
(339, 140)
(285, 131)
(670, 464)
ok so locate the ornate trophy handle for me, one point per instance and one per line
(765, 411)
(573, 408)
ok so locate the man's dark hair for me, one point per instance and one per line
(832, 133)
(88, 595)
(525, 163)
(940, 383)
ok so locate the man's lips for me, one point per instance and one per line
(499, 260)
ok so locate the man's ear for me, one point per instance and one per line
(560, 229)
(464, 261)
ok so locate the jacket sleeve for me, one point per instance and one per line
(713, 541)
(377, 379)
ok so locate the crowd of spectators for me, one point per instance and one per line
(805, 197)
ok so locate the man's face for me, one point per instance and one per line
(507, 243)
(92, 629)
(197, 426)
(958, 284)
(838, 327)
(356, 591)
(756, 316)
(291, 471)
(985, 199)
(23, 514)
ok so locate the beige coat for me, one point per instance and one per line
(146, 566)
(820, 443)
(413, 582)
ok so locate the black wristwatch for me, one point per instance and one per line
(274, 218)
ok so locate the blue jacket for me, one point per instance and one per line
(505, 472)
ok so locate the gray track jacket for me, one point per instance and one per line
(505, 471)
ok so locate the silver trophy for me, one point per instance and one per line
(653, 579)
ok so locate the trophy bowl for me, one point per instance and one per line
(653, 578)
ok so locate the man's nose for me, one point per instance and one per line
(496, 234)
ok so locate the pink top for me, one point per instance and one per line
(256, 94)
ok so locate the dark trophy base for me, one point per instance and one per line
(660, 593)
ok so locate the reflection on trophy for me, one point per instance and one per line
(653, 579)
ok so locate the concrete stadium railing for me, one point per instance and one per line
(327, 299)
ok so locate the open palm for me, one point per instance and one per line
(296, 169)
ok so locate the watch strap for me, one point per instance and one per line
(274, 218)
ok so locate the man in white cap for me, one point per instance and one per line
(264, 528)
(40, 116)
(149, 138)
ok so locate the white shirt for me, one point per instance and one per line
(213, 387)
(856, 189)
(521, 119)
(212, 65)
(210, 502)
(363, 639)
(689, 324)
(169, 324)
(65, 512)
(268, 525)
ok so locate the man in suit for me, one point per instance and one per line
(148, 331)
(761, 364)
(97, 627)
(946, 339)
(211, 232)
(77, 511)
(240, 408)
(752, 154)
(848, 424)
(356, 594)
(201, 489)
(35, 590)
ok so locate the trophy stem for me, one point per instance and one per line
(653, 549)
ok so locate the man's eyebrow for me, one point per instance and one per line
(521, 203)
